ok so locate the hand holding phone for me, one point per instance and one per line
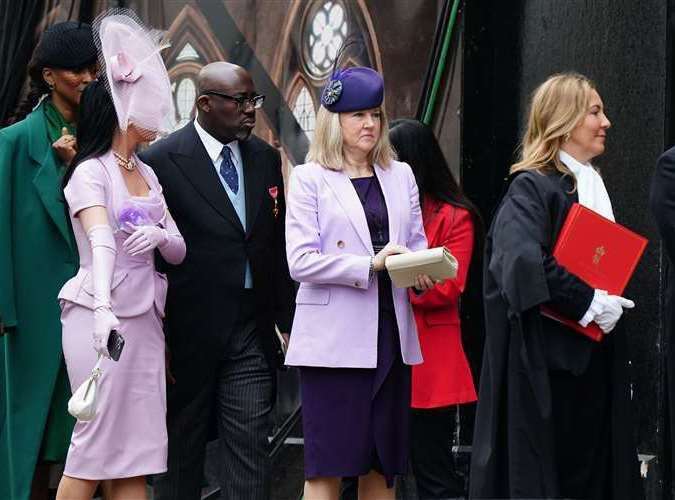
(115, 345)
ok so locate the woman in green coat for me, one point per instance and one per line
(37, 256)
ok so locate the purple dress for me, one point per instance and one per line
(356, 419)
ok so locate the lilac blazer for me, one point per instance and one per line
(329, 249)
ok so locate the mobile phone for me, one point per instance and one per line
(115, 345)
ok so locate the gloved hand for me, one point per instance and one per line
(103, 254)
(174, 250)
(606, 310)
(608, 319)
(389, 249)
(104, 322)
(145, 239)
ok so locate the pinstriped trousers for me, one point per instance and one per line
(240, 397)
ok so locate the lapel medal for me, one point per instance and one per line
(274, 193)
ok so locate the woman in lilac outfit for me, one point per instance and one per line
(119, 218)
(354, 334)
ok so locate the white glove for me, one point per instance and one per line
(608, 320)
(606, 310)
(389, 249)
(103, 253)
(104, 322)
(145, 239)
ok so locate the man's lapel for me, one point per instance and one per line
(254, 181)
(47, 178)
(193, 160)
(345, 193)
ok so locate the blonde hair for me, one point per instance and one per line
(558, 105)
(326, 147)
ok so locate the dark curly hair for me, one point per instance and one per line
(37, 88)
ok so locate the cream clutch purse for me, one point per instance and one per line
(82, 404)
(438, 263)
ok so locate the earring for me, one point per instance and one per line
(567, 137)
(50, 85)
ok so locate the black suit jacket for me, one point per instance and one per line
(205, 290)
(662, 204)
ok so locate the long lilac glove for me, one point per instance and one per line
(169, 242)
(103, 251)
(174, 249)
(144, 239)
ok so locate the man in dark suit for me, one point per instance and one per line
(662, 204)
(225, 190)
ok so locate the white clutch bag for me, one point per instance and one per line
(82, 404)
(438, 263)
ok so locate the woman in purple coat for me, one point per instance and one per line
(354, 334)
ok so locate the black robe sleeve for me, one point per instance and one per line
(523, 234)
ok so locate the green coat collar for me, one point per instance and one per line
(47, 178)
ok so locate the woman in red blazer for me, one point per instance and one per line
(444, 379)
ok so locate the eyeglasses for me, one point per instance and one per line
(256, 101)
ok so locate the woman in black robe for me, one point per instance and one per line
(553, 417)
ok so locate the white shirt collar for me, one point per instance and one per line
(214, 147)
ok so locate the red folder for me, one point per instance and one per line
(602, 253)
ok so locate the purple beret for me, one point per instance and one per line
(353, 89)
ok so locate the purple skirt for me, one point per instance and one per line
(355, 419)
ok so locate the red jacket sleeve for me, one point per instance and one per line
(455, 233)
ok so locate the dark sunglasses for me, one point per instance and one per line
(256, 101)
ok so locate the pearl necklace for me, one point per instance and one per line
(128, 164)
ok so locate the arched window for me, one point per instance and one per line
(303, 110)
(185, 95)
(324, 34)
(188, 53)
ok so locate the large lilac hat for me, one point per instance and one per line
(135, 74)
(353, 89)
